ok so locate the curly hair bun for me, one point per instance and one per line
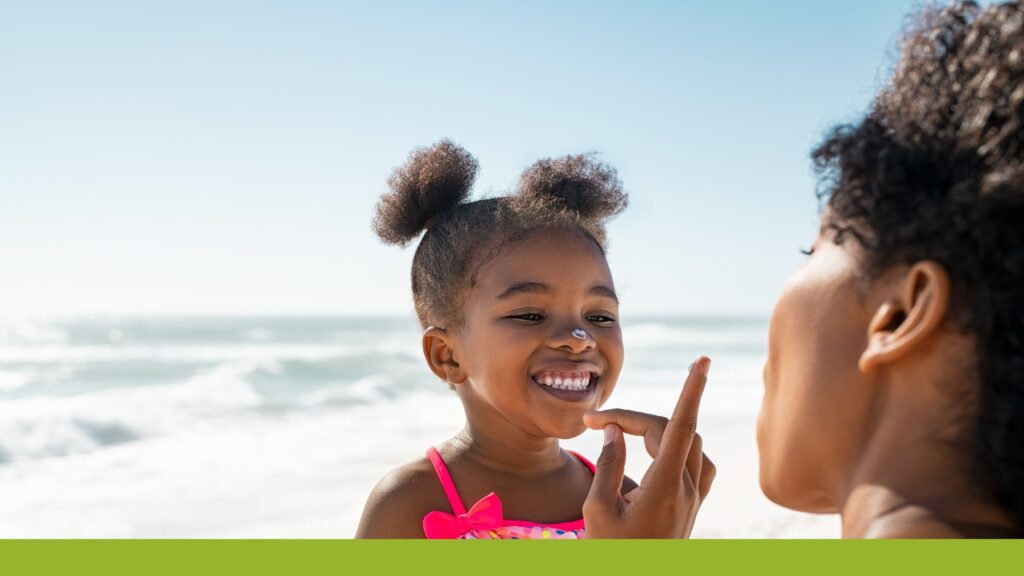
(433, 181)
(960, 86)
(578, 183)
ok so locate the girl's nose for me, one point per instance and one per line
(573, 339)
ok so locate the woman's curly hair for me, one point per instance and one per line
(430, 192)
(936, 171)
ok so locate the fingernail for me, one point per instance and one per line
(704, 367)
(690, 369)
(609, 433)
(707, 367)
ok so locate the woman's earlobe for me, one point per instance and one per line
(887, 319)
(439, 352)
(915, 311)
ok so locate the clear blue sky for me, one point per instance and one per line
(225, 157)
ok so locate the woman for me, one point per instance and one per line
(894, 385)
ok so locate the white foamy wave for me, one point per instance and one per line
(43, 426)
(16, 379)
(11, 380)
(653, 334)
(258, 334)
(734, 388)
(737, 371)
(229, 353)
(202, 481)
(22, 332)
(370, 390)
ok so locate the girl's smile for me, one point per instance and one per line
(573, 382)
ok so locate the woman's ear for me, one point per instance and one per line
(439, 351)
(912, 313)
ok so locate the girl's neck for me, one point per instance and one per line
(510, 453)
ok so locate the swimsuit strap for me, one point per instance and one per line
(449, 486)
(587, 463)
(446, 481)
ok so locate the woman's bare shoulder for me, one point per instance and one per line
(914, 530)
(919, 522)
(400, 500)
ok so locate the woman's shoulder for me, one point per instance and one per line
(920, 522)
(400, 500)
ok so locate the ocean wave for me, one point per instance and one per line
(57, 436)
(203, 330)
(362, 392)
(22, 332)
(46, 426)
(11, 380)
(71, 389)
(666, 335)
(42, 426)
(202, 353)
(277, 372)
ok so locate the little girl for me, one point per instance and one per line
(520, 318)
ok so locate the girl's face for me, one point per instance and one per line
(524, 366)
(816, 404)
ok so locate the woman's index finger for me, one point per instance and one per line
(682, 427)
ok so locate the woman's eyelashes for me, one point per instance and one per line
(807, 251)
(600, 319)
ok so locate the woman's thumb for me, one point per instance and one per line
(610, 468)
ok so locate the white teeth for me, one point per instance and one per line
(574, 381)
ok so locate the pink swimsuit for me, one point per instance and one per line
(484, 519)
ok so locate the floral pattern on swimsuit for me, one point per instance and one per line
(523, 533)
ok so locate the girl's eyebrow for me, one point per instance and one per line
(602, 290)
(524, 288)
(541, 288)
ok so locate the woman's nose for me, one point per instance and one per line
(573, 339)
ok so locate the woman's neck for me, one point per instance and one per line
(911, 484)
(881, 511)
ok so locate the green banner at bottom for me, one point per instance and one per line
(256, 557)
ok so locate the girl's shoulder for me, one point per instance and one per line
(400, 500)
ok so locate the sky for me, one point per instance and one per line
(224, 158)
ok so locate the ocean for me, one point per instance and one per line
(279, 427)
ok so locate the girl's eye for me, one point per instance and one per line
(600, 319)
(528, 317)
(807, 252)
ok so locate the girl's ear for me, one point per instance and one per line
(913, 313)
(439, 351)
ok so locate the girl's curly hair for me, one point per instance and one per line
(936, 171)
(430, 192)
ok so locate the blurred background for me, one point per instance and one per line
(201, 337)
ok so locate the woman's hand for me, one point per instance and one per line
(666, 502)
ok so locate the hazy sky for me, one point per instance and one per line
(225, 157)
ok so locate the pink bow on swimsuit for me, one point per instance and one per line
(484, 515)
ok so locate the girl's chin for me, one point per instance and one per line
(564, 433)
